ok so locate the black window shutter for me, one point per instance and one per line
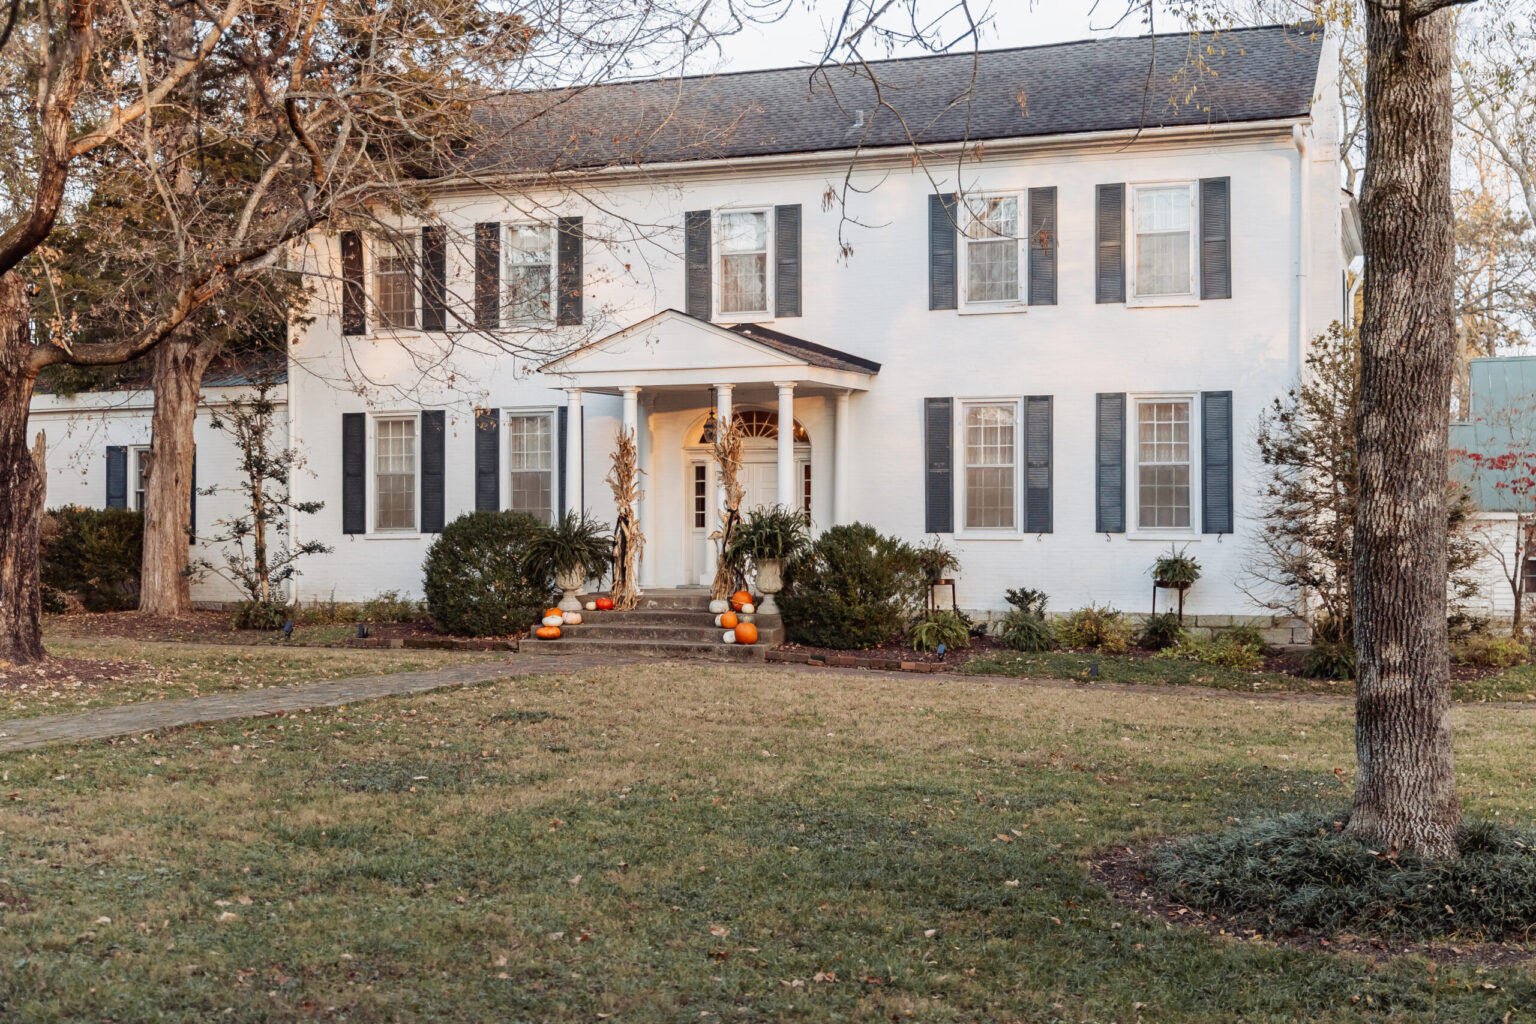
(786, 260)
(353, 300)
(1109, 458)
(1109, 248)
(434, 278)
(1042, 246)
(1037, 464)
(117, 476)
(354, 460)
(487, 460)
(943, 282)
(698, 298)
(560, 418)
(487, 276)
(939, 459)
(1215, 238)
(1216, 461)
(433, 457)
(568, 311)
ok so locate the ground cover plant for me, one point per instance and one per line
(662, 843)
(102, 673)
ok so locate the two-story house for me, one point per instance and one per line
(1065, 283)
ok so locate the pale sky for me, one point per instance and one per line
(800, 36)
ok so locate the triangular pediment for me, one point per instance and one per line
(670, 341)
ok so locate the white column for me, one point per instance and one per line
(787, 444)
(646, 442)
(632, 413)
(573, 502)
(841, 443)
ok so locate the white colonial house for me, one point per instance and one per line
(1041, 327)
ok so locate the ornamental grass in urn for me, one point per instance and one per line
(578, 547)
(769, 537)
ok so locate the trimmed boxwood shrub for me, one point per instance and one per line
(852, 589)
(94, 554)
(483, 577)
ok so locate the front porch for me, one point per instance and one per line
(680, 379)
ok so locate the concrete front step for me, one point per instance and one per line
(697, 631)
(613, 648)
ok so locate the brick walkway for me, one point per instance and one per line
(149, 716)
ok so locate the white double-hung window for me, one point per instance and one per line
(1163, 466)
(1164, 259)
(743, 262)
(394, 464)
(991, 465)
(394, 286)
(530, 274)
(992, 249)
(531, 463)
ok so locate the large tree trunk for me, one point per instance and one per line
(21, 509)
(165, 586)
(1405, 789)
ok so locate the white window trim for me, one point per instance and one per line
(504, 278)
(373, 309)
(551, 413)
(1016, 531)
(1189, 298)
(1020, 304)
(372, 476)
(717, 272)
(134, 453)
(1133, 463)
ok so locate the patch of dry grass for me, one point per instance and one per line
(688, 842)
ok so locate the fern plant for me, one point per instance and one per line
(944, 628)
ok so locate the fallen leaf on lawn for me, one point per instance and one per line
(719, 931)
(930, 933)
(103, 920)
(227, 916)
(1012, 883)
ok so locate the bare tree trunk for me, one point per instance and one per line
(165, 587)
(21, 509)
(1405, 790)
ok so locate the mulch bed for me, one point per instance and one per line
(893, 657)
(1120, 871)
(64, 674)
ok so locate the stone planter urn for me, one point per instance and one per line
(770, 580)
(570, 581)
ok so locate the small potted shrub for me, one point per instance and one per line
(1175, 571)
(937, 562)
(576, 547)
(769, 537)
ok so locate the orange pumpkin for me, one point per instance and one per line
(552, 611)
(740, 598)
(605, 604)
(729, 620)
(547, 632)
(746, 633)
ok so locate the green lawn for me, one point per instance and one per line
(1511, 684)
(689, 843)
(160, 671)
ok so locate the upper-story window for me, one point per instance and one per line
(743, 262)
(394, 285)
(992, 249)
(395, 473)
(1164, 251)
(530, 273)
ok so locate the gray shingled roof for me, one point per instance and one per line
(1094, 85)
(799, 348)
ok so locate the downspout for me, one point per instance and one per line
(1303, 242)
(292, 442)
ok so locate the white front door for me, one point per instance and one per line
(760, 482)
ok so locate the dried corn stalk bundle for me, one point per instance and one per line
(628, 541)
(728, 455)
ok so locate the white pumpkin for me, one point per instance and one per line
(748, 609)
(719, 607)
(572, 618)
(554, 620)
(717, 620)
(591, 606)
(730, 636)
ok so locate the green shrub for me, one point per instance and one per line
(1161, 631)
(1226, 650)
(945, 628)
(259, 615)
(94, 554)
(1300, 872)
(853, 588)
(389, 607)
(1102, 629)
(483, 576)
(1492, 651)
(1028, 600)
(1028, 632)
(1329, 659)
(1247, 636)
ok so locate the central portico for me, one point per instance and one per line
(680, 378)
